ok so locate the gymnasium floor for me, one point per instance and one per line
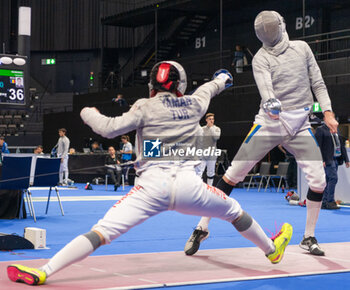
(169, 231)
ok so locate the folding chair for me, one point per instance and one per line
(281, 174)
(106, 181)
(253, 175)
(264, 172)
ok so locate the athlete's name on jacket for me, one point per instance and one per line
(172, 102)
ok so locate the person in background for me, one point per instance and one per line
(62, 152)
(96, 148)
(3, 146)
(72, 151)
(126, 154)
(211, 135)
(126, 149)
(113, 168)
(239, 60)
(333, 154)
(292, 173)
(120, 101)
(39, 149)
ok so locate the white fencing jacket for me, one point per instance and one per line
(289, 72)
(174, 120)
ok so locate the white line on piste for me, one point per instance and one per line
(134, 287)
(145, 280)
(121, 275)
(98, 270)
(78, 198)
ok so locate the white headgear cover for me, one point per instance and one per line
(183, 78)
(269, 27)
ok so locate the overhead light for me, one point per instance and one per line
(6, 60)
(19, 61)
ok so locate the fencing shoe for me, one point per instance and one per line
(310, 244)
(23, 274)
(281, 240)
(193, 243)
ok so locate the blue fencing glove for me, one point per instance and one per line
(226, 75)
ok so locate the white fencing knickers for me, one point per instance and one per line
(267, 134)
(161, 189)
(210, 165)
(64, 169)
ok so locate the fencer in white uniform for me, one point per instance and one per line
(286, 74)
(163, 183)
(210, 134)
(62, 152)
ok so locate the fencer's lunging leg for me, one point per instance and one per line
(78, 249)
(227, 189)
(252, 231)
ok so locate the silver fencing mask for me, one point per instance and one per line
(269, 27)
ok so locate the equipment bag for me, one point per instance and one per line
(14, 242)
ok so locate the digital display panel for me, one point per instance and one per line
(12, 87)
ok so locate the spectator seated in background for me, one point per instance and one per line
(113, 167)
(120, 101)
(72, 151)
(96, 148)
(39, 149)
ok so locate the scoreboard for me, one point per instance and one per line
(14, 81)
(12, 87)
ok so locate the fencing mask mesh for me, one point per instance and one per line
(269, 27)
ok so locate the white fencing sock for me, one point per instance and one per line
(252, 231)
(204, 223)
(312, 212)
(61, 177)
(78, 249)
(210, 181)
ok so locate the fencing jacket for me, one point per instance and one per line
(289, 72)
(63, 146)
(174, 120)
(210, 136)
